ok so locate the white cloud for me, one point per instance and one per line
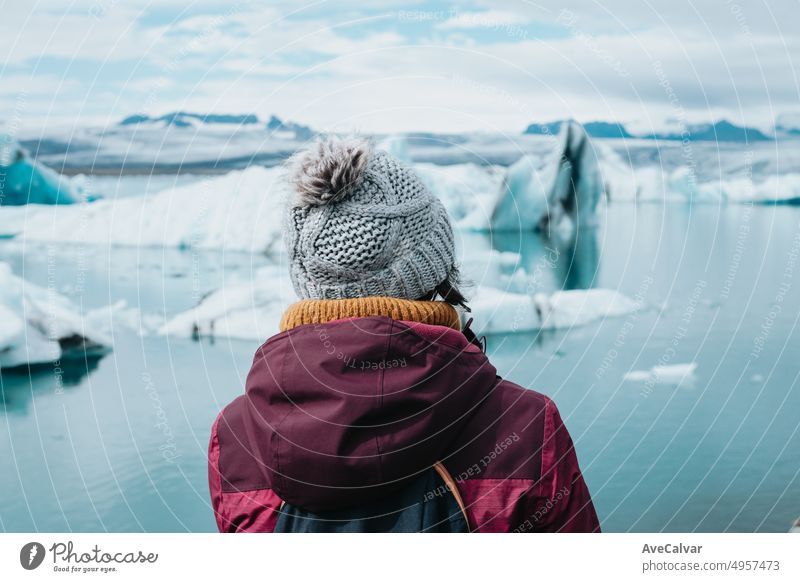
(617, 60)
(485, 19)
(26, 36)
(715, 18)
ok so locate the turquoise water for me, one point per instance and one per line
(119, 444)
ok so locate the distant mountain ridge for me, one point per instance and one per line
(301, 132)
(788, 124)
(722, 131)
(186, 119)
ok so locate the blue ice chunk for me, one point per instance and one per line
(25, 181)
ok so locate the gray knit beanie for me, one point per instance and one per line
(361, 223)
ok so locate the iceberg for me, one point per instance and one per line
(11, 328)
(624, 184)
(682, 184)
(397, 146)
(119, 315)
(238, 211)
(251, 309)
(39, 326)
(498, 311)
(776, 189)
(247, 309)
(242, 210)
(568, 184)
(468, 191)
(24, 181)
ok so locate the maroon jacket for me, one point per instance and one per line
(341, 413)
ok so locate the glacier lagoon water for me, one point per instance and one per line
(119, 444)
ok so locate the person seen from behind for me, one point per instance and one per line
(375, 408)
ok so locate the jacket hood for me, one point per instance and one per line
(346, 412)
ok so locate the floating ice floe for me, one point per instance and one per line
(777, 189)
(501, 268)
(654, 184)
(251, 309)
(247, 309)
(499, 311)
(107, 319)
(239, 211)
(673, 374)
(28, 182)
(38, 325)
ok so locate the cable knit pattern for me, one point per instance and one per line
(322, 311)
(389, 237)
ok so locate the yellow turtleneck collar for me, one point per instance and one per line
(325, 310)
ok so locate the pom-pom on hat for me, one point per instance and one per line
(360, 223)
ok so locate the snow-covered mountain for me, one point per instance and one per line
(719, 131)
(788, 125)
(289, 129)
(184, 142)
(175, 142)
(185, 119)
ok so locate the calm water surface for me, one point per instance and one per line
(119, 444)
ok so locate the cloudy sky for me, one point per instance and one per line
(394, 66)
